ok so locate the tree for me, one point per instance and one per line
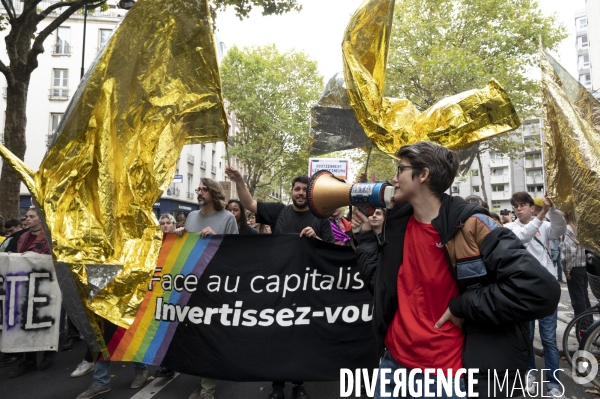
(271, 94)
(243, 7)
(380, 165)
(24, 44)
(443, 47)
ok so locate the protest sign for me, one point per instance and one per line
(338, 167)
(252, 308)
(30, 302)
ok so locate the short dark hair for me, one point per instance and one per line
(441, 162)
(520, 197)
(300, 179)
(10, 223)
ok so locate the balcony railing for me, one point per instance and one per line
(539, 179)
(190, 158)
(190, 195)
(213, 170)
(499, 179)
(202, 164)
(498, 162)
(500, 195)
(58, 94)
(535, 194)
(62, 49)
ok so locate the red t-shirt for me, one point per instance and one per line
(425, 287)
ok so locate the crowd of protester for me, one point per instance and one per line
(550, 236)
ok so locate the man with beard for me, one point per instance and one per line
(284, 219)
(211, 219)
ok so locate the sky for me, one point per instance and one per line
(317, 30)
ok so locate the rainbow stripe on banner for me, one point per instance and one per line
(148, 339)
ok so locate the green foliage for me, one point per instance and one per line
(243, 7)
(443, 47)
(380, 165)
(271, 94)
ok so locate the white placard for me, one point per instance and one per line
(338, 166)
(30, 301)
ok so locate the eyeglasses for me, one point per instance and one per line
(401, 169)
(201, 189)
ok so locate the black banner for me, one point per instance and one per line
(254, 308)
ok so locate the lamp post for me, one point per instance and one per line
(85, 12)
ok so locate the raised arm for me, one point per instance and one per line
(558, 225)
(245, 196)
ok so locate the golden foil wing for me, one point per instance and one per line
(154, 87)
(455, 122)
(572, 148)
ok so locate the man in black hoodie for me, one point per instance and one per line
(452, 289)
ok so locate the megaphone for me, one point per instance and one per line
(326, 193)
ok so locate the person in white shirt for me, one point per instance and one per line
(535, 233)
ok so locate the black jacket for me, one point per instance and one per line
(502, 286)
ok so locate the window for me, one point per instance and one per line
(454, 189)
(496, 204)
(533, 156)
(534, 172)
(212, 158)
(535, 189)
(584, 79)
(55, 119)
(581, 23)
(475, 189)
(475, 172)
(584, 61)
(498, 171)
(63, 41)
(496, 155)
(103, 37)
(60, 84)
(582, 42)
(190, 187)
(498, 187)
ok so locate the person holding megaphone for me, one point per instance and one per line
(452, 288)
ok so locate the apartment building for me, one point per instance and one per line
(587, 28)
(502, 176)
(55, 81)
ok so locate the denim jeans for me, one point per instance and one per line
(388, 362)
(547, 327)
(102, 372)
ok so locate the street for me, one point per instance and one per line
(56, 383)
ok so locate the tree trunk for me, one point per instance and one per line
(483, 191)
(15, 141)
(22, 63)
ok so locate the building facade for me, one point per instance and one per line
(587, 28)
(56, 80)
(502, 177)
